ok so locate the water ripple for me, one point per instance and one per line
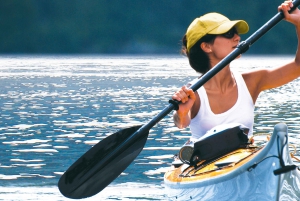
(54, 109)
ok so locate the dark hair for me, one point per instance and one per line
(198, 59)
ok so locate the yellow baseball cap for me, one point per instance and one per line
(212, 23)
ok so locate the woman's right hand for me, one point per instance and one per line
(187, 98)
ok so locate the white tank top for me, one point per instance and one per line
(242, 112)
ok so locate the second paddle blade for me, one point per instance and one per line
(104, 162)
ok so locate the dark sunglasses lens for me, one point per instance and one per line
(230, 33)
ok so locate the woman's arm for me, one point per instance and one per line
(261, 80)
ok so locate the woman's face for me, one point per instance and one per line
(224, 44)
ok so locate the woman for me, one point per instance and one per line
(228, 97)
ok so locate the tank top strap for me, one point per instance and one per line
(242, 87)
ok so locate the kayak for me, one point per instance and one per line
(256, 171)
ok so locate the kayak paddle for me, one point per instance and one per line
(105, 161)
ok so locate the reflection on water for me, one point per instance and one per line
(53, 109)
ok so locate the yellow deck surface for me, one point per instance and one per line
(235, 159)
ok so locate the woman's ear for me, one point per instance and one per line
(205, 47)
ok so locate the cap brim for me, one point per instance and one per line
(241, 27)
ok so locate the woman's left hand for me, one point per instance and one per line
(293, 17)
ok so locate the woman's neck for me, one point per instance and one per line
(221, 82)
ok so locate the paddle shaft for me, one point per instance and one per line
(241, 48)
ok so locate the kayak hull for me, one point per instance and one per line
(240, 180)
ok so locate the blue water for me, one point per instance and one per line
(55, 108)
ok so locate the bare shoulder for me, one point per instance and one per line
(253, 80)
(253, 77)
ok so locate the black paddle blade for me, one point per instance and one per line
(104, 162)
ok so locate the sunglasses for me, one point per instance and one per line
(229, 34)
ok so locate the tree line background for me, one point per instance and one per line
(127, 26)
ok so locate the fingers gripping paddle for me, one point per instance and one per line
(104, 162)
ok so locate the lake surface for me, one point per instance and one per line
(55, 108)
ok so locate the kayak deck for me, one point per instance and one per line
(244, 174)
(217, 167)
